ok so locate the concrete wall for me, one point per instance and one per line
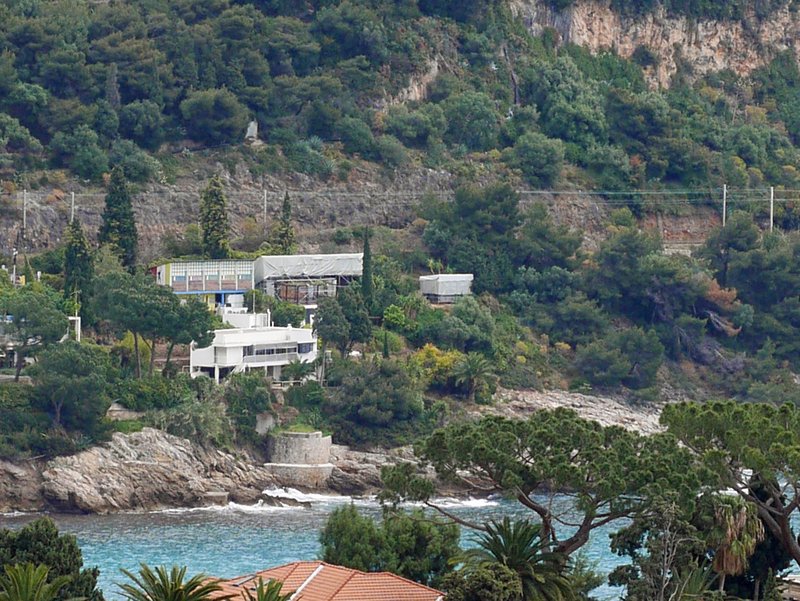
(301, 448)
(313, 477)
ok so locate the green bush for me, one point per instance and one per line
(391, 152)
(472, 121)
(137, 165)
(356, 136)
(153, 392)
(142, 122)
(246, 396)
(214, 116)
(630, 357)
(538, 157)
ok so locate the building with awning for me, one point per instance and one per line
(303, 279)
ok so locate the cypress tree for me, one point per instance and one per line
(385, 344)
(119, 223)
(214, 220)
(283, 237)
(78, 266)
(367, 288)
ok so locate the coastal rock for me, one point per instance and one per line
(146, 470)
(20, 487)
(359, 473)
(608, 411)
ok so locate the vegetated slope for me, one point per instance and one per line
(457, 87)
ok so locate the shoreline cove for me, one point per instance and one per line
(235, 539)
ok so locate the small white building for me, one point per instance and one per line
(445, 287)
(240, 350)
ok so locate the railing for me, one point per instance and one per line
(272, 359)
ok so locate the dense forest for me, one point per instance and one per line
(88, 86)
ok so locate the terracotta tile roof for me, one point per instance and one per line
(320, 581)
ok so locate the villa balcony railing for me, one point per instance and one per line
(281, 359)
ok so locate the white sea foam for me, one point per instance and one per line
(259, 507)
(16, 514)
(468, 503)
(293, 494)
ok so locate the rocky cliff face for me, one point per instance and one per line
(146, 470)
(704, 45)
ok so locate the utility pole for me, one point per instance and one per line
(771, 207)
(24, 213)
(265, 208)
(724, 203)
(72, 208)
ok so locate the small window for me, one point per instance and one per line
(305, 347)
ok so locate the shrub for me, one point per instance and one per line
(142, 122)
(601, 365)
(201, 420)
(391, 151)
(247, 395)
(356, 136)
(214, 116)
(137, 165)
(538, 157)
(630, 357)
(154, 392)
(472, 121)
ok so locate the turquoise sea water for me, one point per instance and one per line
(235, 540)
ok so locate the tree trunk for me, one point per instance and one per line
(722, 577)
(170, 348)
(57, 417)
(152, 356)
(757, 589)
(138, 356)
(20, 363)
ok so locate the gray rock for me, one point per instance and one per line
(146, 470)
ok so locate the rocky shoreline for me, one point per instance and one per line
(152, 470)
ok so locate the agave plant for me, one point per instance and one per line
(160, 584)
(28, 582)
(520, 547)
(269, 591)
(694, 584)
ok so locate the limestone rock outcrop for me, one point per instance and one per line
(703, 44)
(147, 470)
(520, 404)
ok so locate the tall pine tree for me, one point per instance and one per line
(214, 220)
(119, 223)
(283, 239)
(78, 265)
(367, 286)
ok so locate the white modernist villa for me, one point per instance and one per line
(252, 344)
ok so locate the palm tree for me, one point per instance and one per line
(27, 582)
(736, 533)
(271, 591)
(474, 371)
(296, 371)
(159, 584)
(520, 547)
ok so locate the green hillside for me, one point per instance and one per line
(87, 86)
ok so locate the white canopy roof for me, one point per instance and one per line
(447, 277)
(315, 266)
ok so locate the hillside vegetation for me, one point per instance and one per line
(87, 86)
